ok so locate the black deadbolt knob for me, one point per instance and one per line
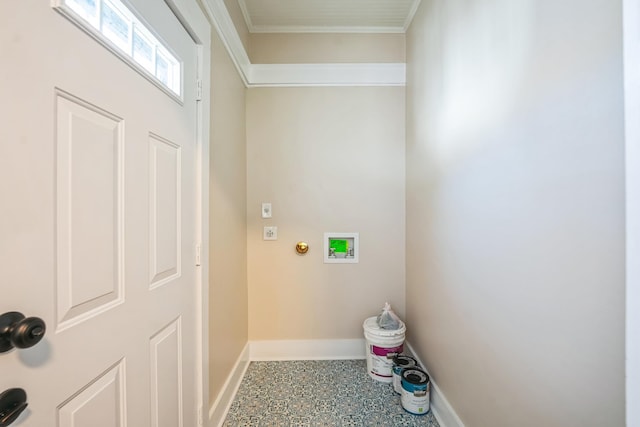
(12, 403)
(18, 331)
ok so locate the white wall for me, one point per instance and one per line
(328, 159)
(515, 208)
(228, 228)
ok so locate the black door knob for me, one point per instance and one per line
(12, 403)
(18, 331)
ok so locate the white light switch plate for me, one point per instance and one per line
(266, 210)
(270, 233)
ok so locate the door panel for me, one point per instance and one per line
(89, 210)
(100, 404)
(166, 389)
(97, 182)
(165, 207)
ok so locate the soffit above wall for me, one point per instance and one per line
(282, 75)
(306, 48)
(335, 16)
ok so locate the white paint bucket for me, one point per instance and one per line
(415, 391)
(401, 362)
(382, 345)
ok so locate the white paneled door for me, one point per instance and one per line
(97, 217)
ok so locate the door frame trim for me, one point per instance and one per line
(197, 25)
(631, 35)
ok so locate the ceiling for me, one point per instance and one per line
(331, 16)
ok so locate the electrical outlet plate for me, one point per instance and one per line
(270, 233)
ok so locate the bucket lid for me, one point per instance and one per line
(371, 325)
(404, 361)
(415, 376)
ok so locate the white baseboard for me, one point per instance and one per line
(440, 406)
(280, 350)
(307, 349)
(314, 350)
(220, 408)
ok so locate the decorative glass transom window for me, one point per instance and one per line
(116, 26)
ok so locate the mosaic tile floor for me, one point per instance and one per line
(318, 393)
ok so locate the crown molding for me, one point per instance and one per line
(262, 29)
(222, 22)
(253, 28)
(412, 13)
(284, 75)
